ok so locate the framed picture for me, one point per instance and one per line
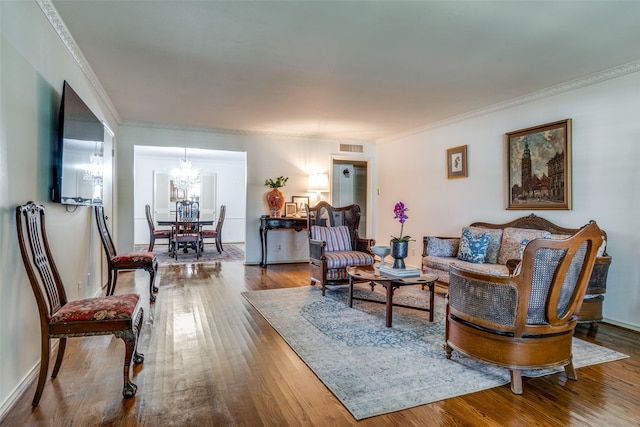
(175, 194)
(300, 201)
(457, 162)
(290, 210)
(538, 167)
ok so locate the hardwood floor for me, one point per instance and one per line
(244, 373)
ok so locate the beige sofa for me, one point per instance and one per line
(505, 245)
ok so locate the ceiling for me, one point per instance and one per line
(334, 69)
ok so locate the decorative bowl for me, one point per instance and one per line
(382, 252)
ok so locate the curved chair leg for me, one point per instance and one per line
(44, 367)
(62, 344)
(152, 279)
(130, 338)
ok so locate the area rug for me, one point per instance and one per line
(231, 253)
(375, 370)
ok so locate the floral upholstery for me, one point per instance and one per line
(103, 308)
(495, 239)
(442, 247)
(472, 248)
(512, 240)
(135, 257)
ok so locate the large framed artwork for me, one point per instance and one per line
(538, 167)
(457, 162)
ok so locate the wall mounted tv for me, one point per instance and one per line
(79, 153)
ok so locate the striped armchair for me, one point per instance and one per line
(334, 243)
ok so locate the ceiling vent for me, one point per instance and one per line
(351, 148)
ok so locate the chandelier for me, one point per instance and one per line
(94, 171)
(185, 178)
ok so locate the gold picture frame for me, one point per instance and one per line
(538, 167)
(457, 162)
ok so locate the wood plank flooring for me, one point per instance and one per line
(217, 362)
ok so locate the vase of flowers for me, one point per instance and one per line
(275, 198)
(400, 245)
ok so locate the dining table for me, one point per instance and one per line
(172, 222)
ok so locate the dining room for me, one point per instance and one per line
(165, 177)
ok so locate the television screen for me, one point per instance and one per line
(78, 157)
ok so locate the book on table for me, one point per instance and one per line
(399, 272)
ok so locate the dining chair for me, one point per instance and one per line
(60, 318)
(186, 232)
(153, 232)
(124, 261)
(217, 233)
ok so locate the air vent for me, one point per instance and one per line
(351, 148)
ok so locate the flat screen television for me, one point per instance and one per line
(78, 154)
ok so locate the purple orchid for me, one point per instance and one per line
(400, 214)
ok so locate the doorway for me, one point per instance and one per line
(349, 185)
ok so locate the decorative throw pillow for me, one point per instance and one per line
(512, 240)
(473, 249)
(337, 238)
(495, 237)
(442, 247)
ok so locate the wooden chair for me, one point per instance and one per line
(119, 315)
(125, 261)
(153, 233)
(186, 232)
(334, 243)
(217, 233)
(524, 321)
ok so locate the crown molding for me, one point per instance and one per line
(242, 132)
(63, 32)
(611, 73)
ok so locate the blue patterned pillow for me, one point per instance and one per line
(472, 248)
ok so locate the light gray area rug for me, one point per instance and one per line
(375, 370)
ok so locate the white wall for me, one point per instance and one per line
(33, 65)
(267, 157)
(230, 172)
(605, 145)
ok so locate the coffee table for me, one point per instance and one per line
(390, 283)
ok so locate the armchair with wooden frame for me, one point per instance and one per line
(124, 261)
(526, 320)
(334, 243)
(119, 315)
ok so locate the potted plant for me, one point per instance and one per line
(400, 245)
(275, 198)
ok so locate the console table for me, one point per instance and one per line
(268, 223)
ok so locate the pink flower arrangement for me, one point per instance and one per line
(400, 214)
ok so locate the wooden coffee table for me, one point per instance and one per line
(371, 274)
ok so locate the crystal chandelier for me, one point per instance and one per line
(93, 173)
(185, 178)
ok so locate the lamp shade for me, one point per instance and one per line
(318, 182)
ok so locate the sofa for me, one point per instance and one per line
(497, 248)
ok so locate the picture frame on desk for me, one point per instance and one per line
(290, 209)
(300, 201)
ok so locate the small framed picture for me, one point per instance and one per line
(457, 162)
(290, 210)
(300, 201)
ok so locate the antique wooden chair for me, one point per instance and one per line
(186, 232)
(153, 232)
(125, 261)
(217, 233)
(334, 243)
(527, 320)
(119, 315)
